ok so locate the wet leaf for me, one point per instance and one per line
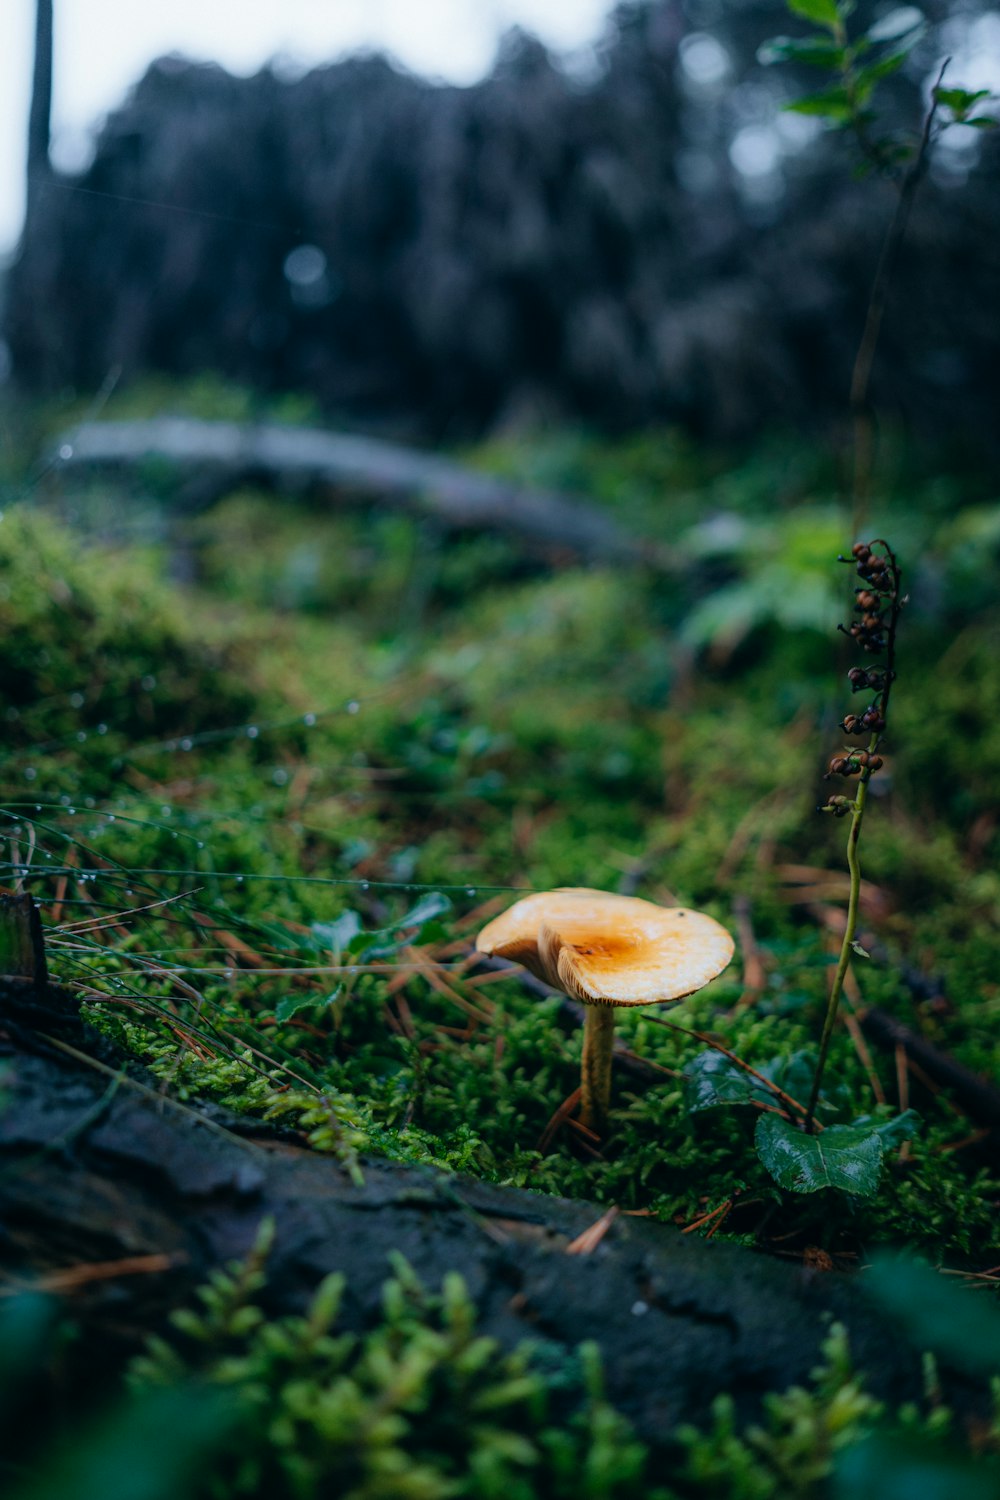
(846, 1157)
(710, 1079)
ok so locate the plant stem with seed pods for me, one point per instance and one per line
(833, 1004)
(853, 838)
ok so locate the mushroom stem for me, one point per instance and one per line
(595, 1067)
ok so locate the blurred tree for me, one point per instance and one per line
(39, 116)
(646, 240)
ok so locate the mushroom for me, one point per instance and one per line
(607, 951)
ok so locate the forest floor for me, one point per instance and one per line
(268, 769)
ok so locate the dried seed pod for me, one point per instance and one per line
(861, 551)
(858, 678)
(852, 724)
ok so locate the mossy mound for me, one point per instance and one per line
(96, 649)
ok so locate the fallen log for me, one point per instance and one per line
(124, 1199)
(224, 454)
(976, 1096)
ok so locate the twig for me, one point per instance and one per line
(587, 1242)
(977, 1096)
(709, 1041)
(73, 1277)
(857, 808)
(558, 1119)
(722, 1209)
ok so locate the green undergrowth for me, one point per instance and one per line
(265, 813)
(346, 711)
(423, 1406)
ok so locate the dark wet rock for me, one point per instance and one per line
(93, 1171)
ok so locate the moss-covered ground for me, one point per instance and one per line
(266, 808)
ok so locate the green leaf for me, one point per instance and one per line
(831, 104)
(936, 1314)
(822, 12)
(292, 1004)
(982, 122)
(710, 1079)
(857, 948)
(900, 1464)
(816, 52)
(868, 76)
(27, 1336)
(897, 1130)
(435, 904)
(960, 101)
(903, 21)
(338, 934)
(793, 1072)
(389, 939)
(846, 1157)
(157, 1446)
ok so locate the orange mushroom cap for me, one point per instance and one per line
(609, 950)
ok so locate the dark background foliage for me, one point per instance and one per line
(543, 244)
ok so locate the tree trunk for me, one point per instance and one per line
(39, 117)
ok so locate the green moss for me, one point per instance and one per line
(420, 1408)
(216, 781)
(96, 652)
(423, 1406)
(518, 728)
